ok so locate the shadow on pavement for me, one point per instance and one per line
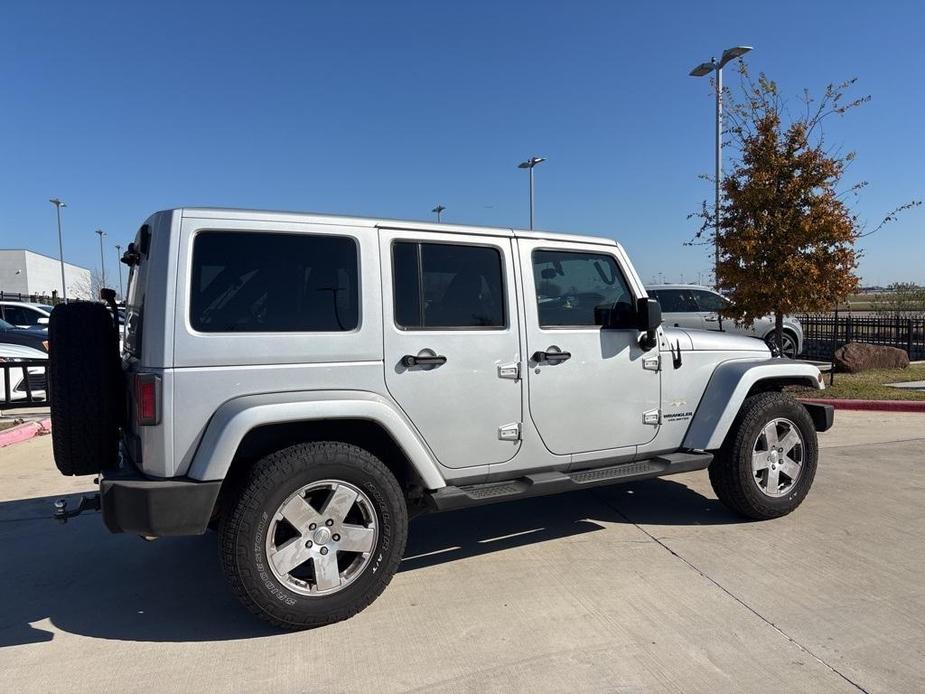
(80, 579)
(444, 537)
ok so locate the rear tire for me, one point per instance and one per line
(282, 531)
(85, 385)
(768, 461)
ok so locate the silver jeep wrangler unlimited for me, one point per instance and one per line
(305, 383)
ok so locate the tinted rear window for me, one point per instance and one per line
(259, 282)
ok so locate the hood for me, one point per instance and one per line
(11, 351)
(711, 341)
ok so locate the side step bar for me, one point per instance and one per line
(542, 483)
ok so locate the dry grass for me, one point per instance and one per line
(869, 385)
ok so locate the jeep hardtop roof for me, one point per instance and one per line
(379, 222)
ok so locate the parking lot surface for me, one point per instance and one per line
(649, 586)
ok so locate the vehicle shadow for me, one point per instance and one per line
(439, 538)
(80, 579)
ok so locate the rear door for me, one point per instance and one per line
(679, 309)
(590, 389)
(452, 343)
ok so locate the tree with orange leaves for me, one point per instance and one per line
(787, 237)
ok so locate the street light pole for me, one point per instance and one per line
(700, 71)
(58, 205)
(119, 265)
(438, 209)
(530, 164)
(102, 262)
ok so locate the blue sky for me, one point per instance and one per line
(387, 108)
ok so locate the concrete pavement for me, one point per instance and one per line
(652, 586)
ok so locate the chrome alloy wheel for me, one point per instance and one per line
(322, 537)
(789, 345)
(777, 457)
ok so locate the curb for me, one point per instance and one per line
(872, 405)
(25, 431)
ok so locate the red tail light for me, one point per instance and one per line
(147, 399)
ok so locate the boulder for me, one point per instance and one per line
(858, 356)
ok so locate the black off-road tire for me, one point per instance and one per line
(731, 469)
(86, 390)
(246, 520)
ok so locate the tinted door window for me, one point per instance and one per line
(676, 300)
(570, 286)
(439, 285)
(260, 282)
(708, 301)
(17, 315)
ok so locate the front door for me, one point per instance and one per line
(710, 305)
(590, 389)
(451, 342)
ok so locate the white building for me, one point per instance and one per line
(28, 272)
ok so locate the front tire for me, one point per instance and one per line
(315, 534)
(768, 461)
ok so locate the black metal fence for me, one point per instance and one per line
(823, 334)
(24, 382)
(29, 298)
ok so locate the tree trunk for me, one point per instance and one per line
(779, 331)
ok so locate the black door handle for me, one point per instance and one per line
(551, 356)
(410, 360)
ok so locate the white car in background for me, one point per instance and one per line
(37, 375)
(693, 306)
(25, 315)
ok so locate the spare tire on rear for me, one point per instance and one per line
(85, 387)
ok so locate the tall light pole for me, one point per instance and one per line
(119, 265)
(438, 209)
(530, 164)
(701, 71)
(102, 262)
(58, 205)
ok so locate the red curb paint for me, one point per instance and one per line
(873, 405)
(24, 432)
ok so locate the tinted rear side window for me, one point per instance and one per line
(440, 285)
(676, 300)
(259, 282)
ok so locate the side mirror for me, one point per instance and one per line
(649, 314)
(43, 320)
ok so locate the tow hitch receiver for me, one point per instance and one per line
(88, 502)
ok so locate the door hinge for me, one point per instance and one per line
(652, 363)
(509, 432)
(511, 370)
(653, 417)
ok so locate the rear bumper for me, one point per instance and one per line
(133, 503)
